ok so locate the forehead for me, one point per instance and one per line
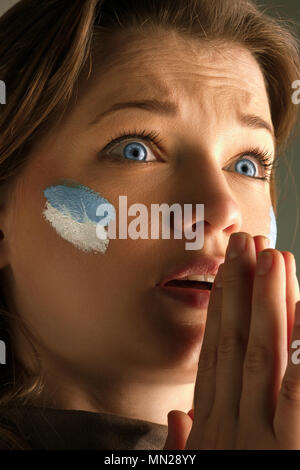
(197, 76)
(168, 59)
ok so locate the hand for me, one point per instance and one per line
(247, 391)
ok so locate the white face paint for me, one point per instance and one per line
(273, 229)
(71, 210)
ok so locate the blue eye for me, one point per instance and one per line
(135, 151)
(246, 166)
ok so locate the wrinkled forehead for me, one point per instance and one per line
(200, 78)
(170, 66)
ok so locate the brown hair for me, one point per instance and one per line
(46, 48)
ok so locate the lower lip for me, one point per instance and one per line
(196, 298)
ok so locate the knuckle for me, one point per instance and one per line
(257, 357)
(290, 389)
(231, 341)
(207, 359)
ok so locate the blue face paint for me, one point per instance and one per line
(71, 209)
(273, 229)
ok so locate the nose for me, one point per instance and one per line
(209, 186)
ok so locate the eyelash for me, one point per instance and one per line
(262, 156)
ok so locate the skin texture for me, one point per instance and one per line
(109, 342)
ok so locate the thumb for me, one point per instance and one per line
(179, 428)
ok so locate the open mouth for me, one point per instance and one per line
(201, 285)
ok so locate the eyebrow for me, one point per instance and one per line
(169, 108)
(256, 122)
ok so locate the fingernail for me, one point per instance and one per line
(236, 245)
(264, 263)
(266, 243)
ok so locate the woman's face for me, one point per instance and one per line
(101, 314)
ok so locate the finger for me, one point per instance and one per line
(266, 355)
(292, 291)
(287, 415)
(191, 413)
(179, 428)
(237, 280)
(204, 391)
(261, 243)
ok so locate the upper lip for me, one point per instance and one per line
(198, 265)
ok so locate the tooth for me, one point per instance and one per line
(198, 277)
(201, 277)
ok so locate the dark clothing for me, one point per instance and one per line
(55, 429)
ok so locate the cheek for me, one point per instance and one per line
(259, 219)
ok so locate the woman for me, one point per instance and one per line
(94, 336)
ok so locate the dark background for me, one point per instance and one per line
(288, 219)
